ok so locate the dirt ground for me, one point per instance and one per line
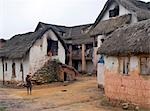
(81, 95)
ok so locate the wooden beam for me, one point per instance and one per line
(83, 58)
(3, 71)
(70, 55)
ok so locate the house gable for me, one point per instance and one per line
(111, 7)
(138, 9)
(105, 13)
(41, 51)
(40, 47)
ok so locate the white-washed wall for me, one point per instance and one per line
(8, 73)
(38, 52)
(35, 60)
(100, 67)
(99, 38)
(134, 63)
(122, 11)
(38, 55)
(1, 69)
(26, 66)
(100, 74)
(112, 64)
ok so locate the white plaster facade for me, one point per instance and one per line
(100, 74)
(8, 73)
(112, 64)
(108, 64)
(100, 67)
(122, 11)
(34, 60)
(38, 52)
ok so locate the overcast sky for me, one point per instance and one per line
(20, 16)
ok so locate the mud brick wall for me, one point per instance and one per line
(133, 88)
(71, 73)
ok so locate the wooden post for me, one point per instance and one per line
(95, 55)
(70, 55)
(83, 58)
(95, 59)
(3, 71)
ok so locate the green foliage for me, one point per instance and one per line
(57, 60)
(2, 108)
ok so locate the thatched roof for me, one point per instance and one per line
(108, 26)
(19, 45)
(132, 39)
(86, 39)
(72, 34)
(3, 40)
(141, 9)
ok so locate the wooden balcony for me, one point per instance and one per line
(77, 54)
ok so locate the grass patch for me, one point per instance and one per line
(2, 108)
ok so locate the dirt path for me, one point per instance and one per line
(82, 95)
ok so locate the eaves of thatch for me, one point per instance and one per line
(108, 26)
(129, 40)
(19, 45)
(83, 39)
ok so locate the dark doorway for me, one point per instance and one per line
(75, 65)
(65, 76)
(49, 45)
(21, 70)
(13, 70)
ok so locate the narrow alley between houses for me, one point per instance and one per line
(81, 95)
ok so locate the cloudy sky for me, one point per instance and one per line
(20, 16)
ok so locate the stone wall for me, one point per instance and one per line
(47, 74)
(54, 71)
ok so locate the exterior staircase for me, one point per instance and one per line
(39, 63)
(53, 71)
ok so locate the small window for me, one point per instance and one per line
(145, 65)
(52, 48)
(95, 44)
(13, 70)
(124, 65)
(6, 66)
(62, 33)
(21, 67)
(114, 12)
(41, 47)
(102, 40)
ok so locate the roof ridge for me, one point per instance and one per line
(65, 25)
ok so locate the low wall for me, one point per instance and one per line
(133, 88)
